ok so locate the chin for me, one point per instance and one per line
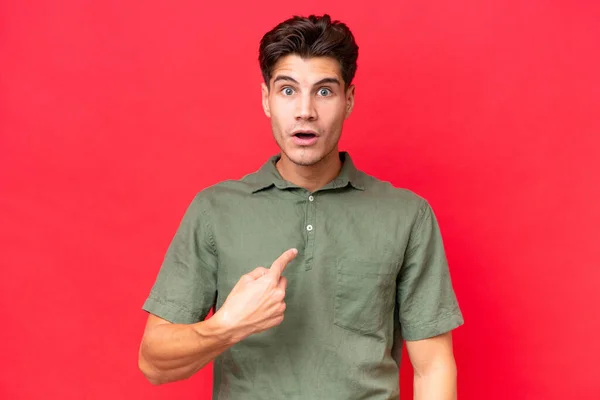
(304, 156)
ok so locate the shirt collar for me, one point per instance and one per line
(268, 175)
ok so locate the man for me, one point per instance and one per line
(355, 266)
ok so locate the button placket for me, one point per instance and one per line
(310, 227)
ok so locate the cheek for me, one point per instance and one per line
(334, 115)
(282, 116)
(277, 120)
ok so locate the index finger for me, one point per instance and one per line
(282, 261)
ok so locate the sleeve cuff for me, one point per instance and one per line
(442, 325)
(169, 311)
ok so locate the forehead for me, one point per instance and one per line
(307, 69)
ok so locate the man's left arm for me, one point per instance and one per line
(428, 310)
(434, 367)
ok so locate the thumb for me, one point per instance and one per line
(253, 275)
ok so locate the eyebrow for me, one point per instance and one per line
(322, 81)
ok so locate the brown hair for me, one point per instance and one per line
(313, 36)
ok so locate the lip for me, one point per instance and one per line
(305, 141)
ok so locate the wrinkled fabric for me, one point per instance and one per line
(371, 271)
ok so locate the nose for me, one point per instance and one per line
(305, 108)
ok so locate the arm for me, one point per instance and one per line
(171, 352)
(429, 310)
(434, 368)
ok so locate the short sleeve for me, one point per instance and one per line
(185, 289)
(427, 303)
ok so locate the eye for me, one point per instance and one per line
(287, 91)
(324, 92)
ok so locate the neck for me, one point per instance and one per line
(310, 177)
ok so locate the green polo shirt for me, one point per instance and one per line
(370, 271)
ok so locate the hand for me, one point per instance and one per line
(256, 302)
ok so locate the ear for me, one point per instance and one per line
(349, 100)
(265, 99)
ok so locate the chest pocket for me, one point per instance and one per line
(365, 293)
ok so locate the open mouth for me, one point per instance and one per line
(305, 135)
(305, 138)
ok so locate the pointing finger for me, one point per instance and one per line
(279, 265)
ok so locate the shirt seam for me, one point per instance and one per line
(417, 225)
(205, 221)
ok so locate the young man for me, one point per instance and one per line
(355, 266)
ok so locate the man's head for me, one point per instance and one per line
(308, 65)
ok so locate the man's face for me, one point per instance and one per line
(307, 105)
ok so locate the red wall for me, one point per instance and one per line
(113, 115)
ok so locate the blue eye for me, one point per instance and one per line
(324, 92)
(288, 91)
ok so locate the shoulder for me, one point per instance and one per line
(226, 191)
(387, 194)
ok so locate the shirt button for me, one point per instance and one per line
(309, 228)
(311, 198)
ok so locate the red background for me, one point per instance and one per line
(114, 114)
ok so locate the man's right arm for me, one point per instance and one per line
(171, 352)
